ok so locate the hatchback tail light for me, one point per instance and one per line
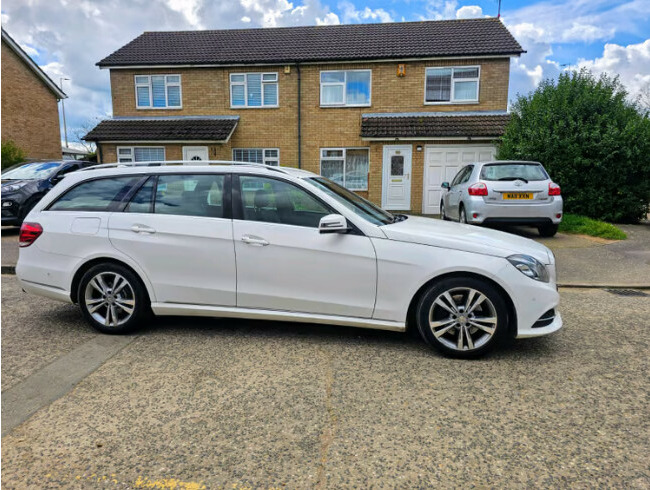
(553, 189)
(29, 232)
(478, 189)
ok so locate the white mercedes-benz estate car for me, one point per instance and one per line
(275, 243)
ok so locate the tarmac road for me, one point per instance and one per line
(203, 403)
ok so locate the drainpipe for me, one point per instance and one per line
(100, 157)
(299, 124)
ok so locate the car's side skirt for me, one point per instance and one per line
(277, 315)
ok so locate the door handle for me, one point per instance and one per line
(142, 229)
(254, 240)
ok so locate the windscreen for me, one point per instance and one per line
(31, 171)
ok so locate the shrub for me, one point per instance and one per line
(11, 154)
(593, 143)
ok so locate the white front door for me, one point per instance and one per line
(396, 189)
(441, 164)
(195, 153)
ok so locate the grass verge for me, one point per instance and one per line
(573, 223)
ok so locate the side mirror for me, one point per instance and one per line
(333, 223)
(445, 185)
(57, 178)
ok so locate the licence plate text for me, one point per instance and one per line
(517, 195)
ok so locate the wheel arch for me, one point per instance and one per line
(512, 311)
(86, 266)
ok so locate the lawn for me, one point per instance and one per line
(573, 223)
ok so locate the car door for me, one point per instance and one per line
(285, 263)
(178, 228)
(453, 196)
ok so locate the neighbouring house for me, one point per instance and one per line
(388, 110)
(74, 153)
(30, 111)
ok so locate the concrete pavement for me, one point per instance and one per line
(202, 403)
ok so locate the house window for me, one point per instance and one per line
(254, 89)
(140, 154)
(267, 156)
(346, 166)
(158, 91)
(345, 88)
(451, 85)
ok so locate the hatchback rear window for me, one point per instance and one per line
(513, 171)
(94, 195)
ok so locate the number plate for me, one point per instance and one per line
(517, 195)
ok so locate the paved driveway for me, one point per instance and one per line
(200, 403)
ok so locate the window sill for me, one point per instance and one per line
(463, 102)
(158, 108)
(235, 107)
(332, 106)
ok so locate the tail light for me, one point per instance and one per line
(553, 189)
(478, 189)
(29, 232)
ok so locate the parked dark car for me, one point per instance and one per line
(25, 184)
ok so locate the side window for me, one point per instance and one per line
(458, 177)
(142, 201)
(468, 173)
(94, 195)
(274, 201)
(190, 195)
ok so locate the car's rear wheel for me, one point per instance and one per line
(547, 230)
(112, 298)
(463, 216)
(462, 317)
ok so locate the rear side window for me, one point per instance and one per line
(190, 195)
(513, 171)
(94, 195)
(142, 201)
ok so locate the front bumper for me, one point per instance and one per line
(533, 214)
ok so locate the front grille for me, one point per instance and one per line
(627, 292)
(546, 319)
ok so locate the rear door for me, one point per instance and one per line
(178, 227)
(285, 263)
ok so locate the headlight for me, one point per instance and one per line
(13, 187)
(529, 266)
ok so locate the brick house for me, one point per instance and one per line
(388, 110)
(30, 111)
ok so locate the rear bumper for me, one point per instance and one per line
(513, 214)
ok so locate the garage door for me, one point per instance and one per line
(441, 162)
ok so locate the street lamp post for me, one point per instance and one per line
(65, 128)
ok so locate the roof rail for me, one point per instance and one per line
(164, 163)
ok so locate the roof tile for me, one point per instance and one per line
(195, 129)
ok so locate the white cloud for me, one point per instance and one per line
(246, 19)
(439, 10)
(586, 33)
(351, 15)
(469, 12)
(631, 63)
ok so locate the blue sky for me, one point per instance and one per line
(67, 37)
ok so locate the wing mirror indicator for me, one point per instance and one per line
(333, 223)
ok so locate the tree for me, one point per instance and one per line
(11, 154)
(593, 143)
(82, 130)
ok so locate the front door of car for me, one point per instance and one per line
(178, 228)
(285, 263)
(454, 194)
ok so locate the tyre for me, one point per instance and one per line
(27, 207)
(462, 317)
(462, 218)
(547, 230)
(443, 214)
(112, 298)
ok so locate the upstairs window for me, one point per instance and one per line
(451, 85)
(158, 91)
(254, 90)
(350, 88)
(267, 156)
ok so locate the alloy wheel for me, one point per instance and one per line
(109, 299)
(463, 319)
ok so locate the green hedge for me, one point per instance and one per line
(592, 141)
(11, 154)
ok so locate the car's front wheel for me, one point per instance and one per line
(462, 317)
(112, 298)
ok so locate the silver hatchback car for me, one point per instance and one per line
(504, 192)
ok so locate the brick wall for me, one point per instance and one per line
(30, 113)
(206, 91)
